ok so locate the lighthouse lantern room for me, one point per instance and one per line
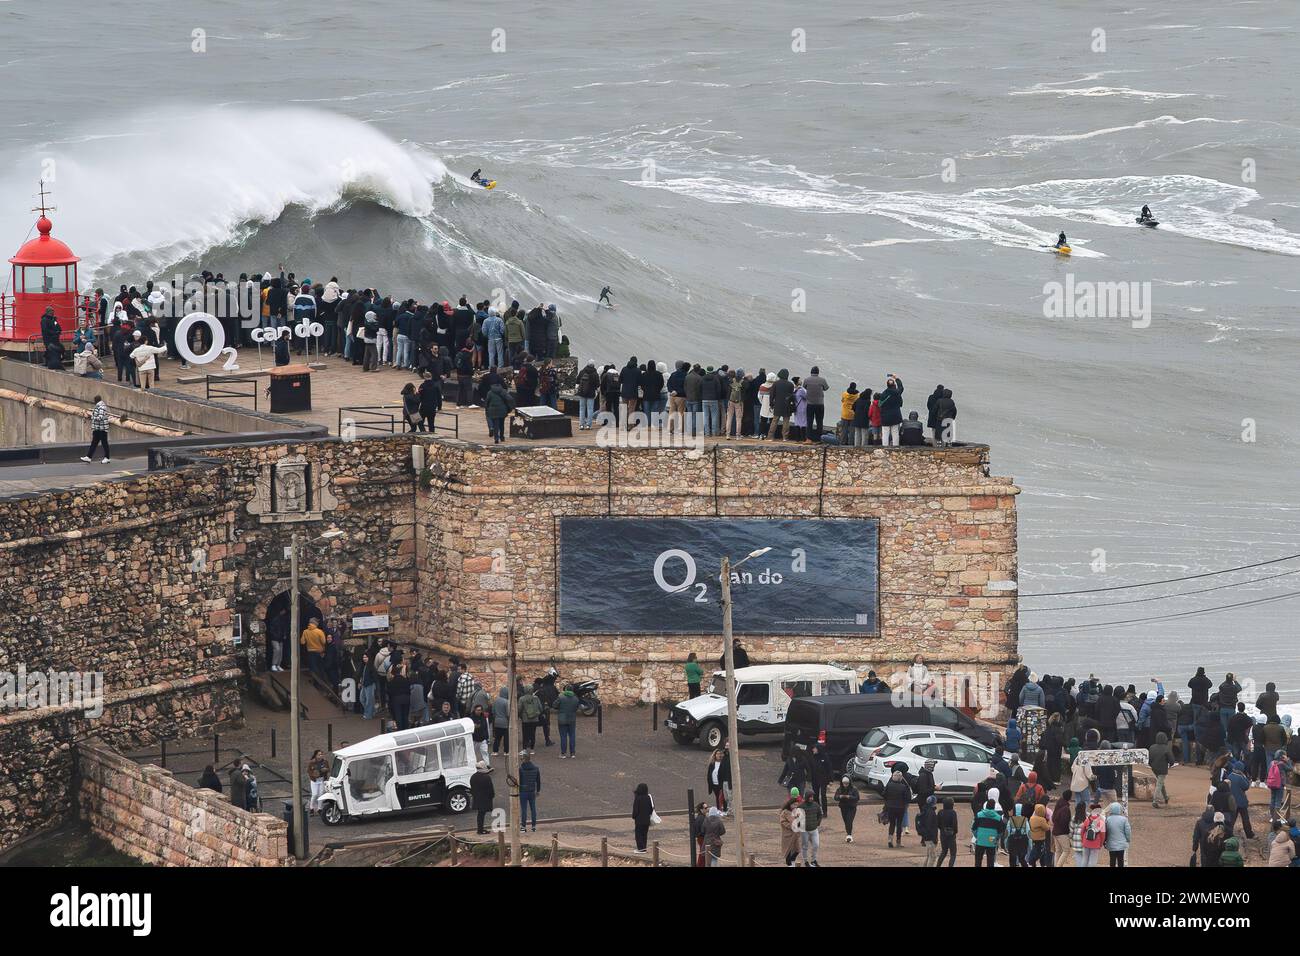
(44, 276)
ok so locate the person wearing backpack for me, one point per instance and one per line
(987, 830)
(1119, 833)
(1040, 837)
(530, 714)
(1093, 836)
(1031, 791)
(1278, 770)
(1018, 837)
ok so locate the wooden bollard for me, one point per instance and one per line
(455, 849)
(750, 861)
(501, 848)
(555, 849)
(604, 851)
(654, 853)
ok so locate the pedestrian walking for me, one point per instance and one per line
(847, 797)
(98, 430)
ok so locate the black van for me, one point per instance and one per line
(840, 721)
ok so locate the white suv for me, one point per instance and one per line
(960, 763)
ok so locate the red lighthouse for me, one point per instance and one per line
(44, 276)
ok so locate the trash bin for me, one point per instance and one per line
(291, 389)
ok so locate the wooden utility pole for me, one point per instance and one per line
(733, 735)
(295, 737)
(513, 742)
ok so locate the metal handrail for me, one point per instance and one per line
(223, 388)
(384, 420)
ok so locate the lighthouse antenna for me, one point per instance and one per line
(43, 208)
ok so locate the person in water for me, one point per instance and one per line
(1060, 240)
(605, 293)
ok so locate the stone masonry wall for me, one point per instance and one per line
(102, 580)
(488, 520)
(144, 812)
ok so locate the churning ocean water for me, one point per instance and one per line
(899, 174)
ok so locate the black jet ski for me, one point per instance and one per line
(1151, 223)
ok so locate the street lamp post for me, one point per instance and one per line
(295, 729)
(733, 735)
(295, 738)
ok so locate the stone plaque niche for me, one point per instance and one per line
(291, 489)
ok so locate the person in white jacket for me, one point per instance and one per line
(145, 357)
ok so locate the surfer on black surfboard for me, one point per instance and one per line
(605, 293)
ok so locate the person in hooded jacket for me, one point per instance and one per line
(1239, 785)
(986, 831)
(1211, 831)
(1281, 852)
(630, 385)
(820, 772)
(897, 794)
(946, 824)
(945, 412)
(587, 387)
(501, 722)
(496, 407)
(927, 828)
(847, 797)
(1209, 733)
(1159, 756)
(1018, 837)
(891, 410)
(781, 401)
(1093, 834)
(1119, 834)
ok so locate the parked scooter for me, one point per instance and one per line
(584, 690)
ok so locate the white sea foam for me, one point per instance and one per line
(204, 178)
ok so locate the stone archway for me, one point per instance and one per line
(273, 611)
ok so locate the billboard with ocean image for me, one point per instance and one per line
(660, 575)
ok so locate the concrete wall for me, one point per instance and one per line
(144, 812)
(173, 411)
(31, 420)
(488, 524)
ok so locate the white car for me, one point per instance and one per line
(960, 763)
(763, 694)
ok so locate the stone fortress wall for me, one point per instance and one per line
(153, 579)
